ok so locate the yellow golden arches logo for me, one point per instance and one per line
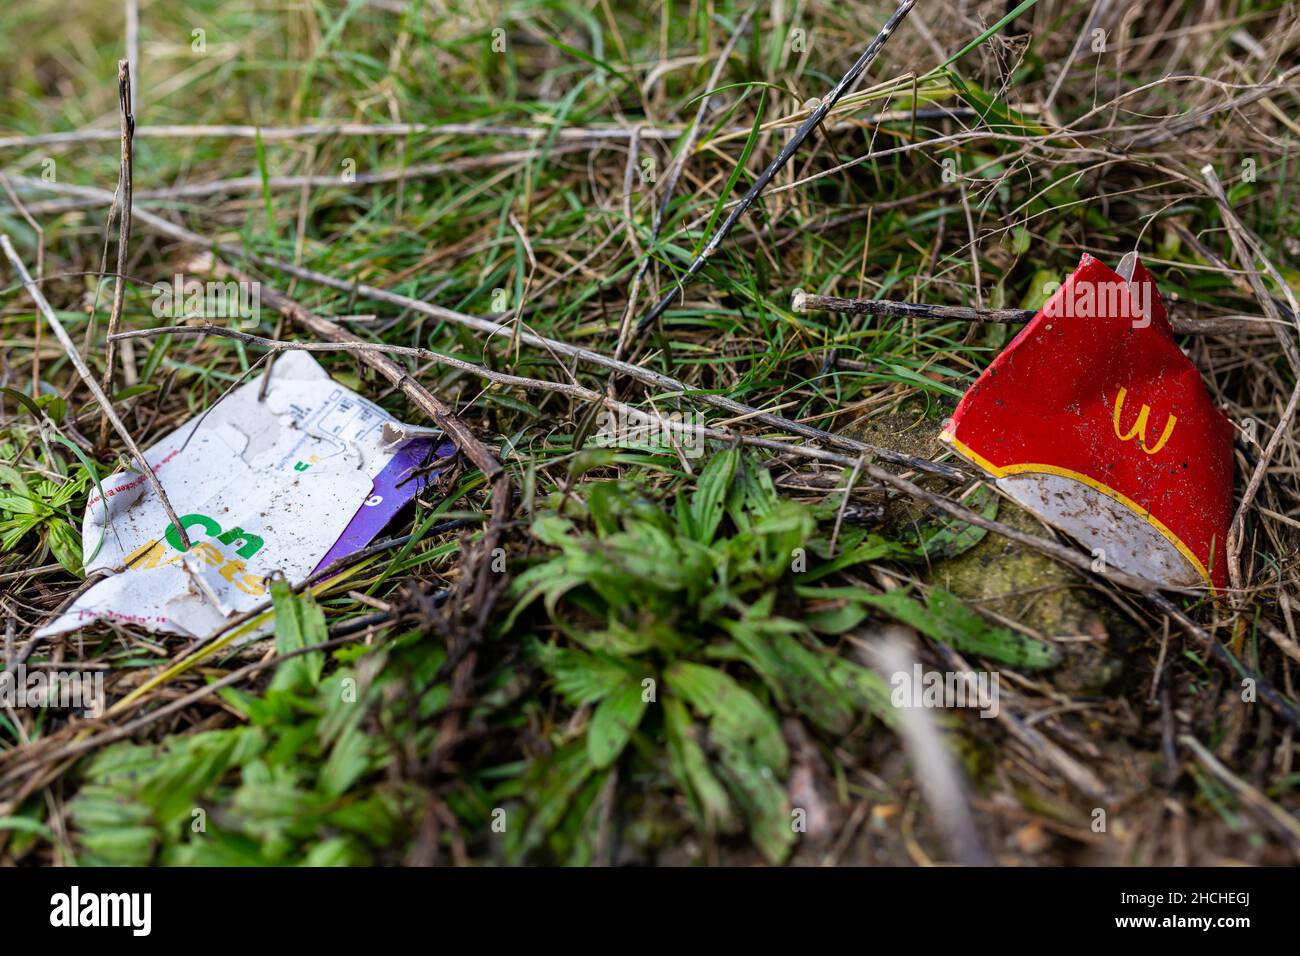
(1139, 429)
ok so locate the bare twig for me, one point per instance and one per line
(269, 134)
(245, 184)
(674, 172)
(123, 230)
(88, 377)
(1246, 255)
(806, 301)
(824, 106)
(494, 329)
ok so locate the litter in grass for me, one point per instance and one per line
(288, 484)
(1095, 420)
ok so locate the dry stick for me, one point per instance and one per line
(1172, 130)
(79, 363)
(586, 134)
(1282, 822)
(805, 301)
(1052, 549)
(491, 328)
(674, 171)
(783, 157)
(255, 183)
(40, 275)
(578, 392)
(421, 397)
(1240, 242)
(123, 231)
(283, 133)
(502, 493)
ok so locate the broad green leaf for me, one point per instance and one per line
(763, 801)
(945, 618)
(796, 673)
(613, 723)
(65, 545)
(299, 623)
(349, 759)
(691, 766)
(710, 495)
(739, 719)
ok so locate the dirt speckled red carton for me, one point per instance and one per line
(1094, 420)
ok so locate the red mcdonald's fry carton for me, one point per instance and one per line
(1094, 420)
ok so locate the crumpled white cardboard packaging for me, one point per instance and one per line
(309, 472)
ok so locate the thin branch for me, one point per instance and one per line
(674, 172)
(125, 175)
(494, 329)
(1052, 549)
(804, 302)
(246, 184)
(1246, 256)
(824, 106)
(269, 134)
(132, 48)
(88, 377)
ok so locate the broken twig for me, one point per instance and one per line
(824, 106)
(86, 376)
(807, 302)
(124, 177)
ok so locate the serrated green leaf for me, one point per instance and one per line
(583, 678)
